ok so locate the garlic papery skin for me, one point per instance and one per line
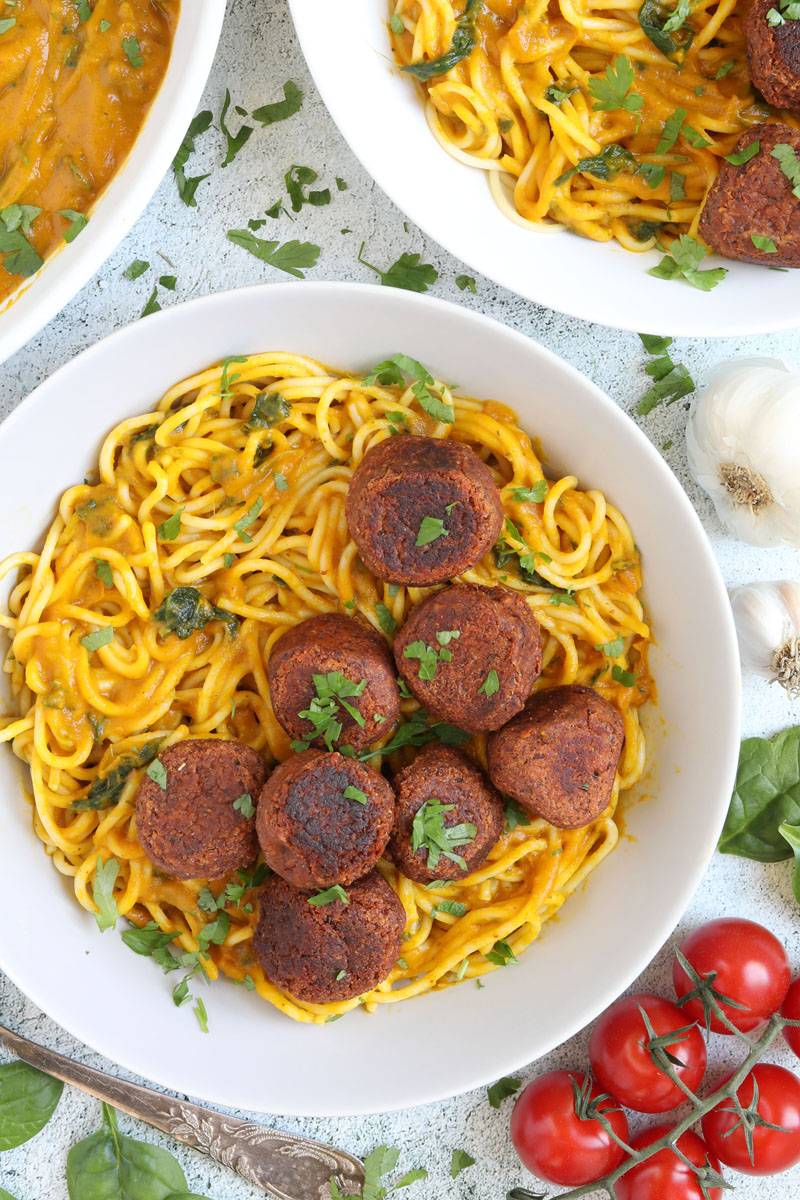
(767, 617)
(743, 443)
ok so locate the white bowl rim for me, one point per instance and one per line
(430, 1090)
(38, 299)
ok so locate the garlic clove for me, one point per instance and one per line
(767, 618)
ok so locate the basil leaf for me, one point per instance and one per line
(791, 834)
(766, 795)
(107, 1165)
(28, 1099)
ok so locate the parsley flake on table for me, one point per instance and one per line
(613, 90)
(499, 1091)
(105, 876)
(762, 242)
(77, 220)
(101, 637)
(407, 272)
(392, 372)
(169, 529)
(292, 257)
(351, 792)
(137, 268)
(158, 773)
(337, 892)
(187, 187)
(459, 1162)
(490, 685)
(429, 830)
(430, 529)
(235, 142)
(244, 805)
(270, 114)
(133, 52)
(672, 380)
(745, 154)
(333, 690)
(152, 305)
(682, 261)
(466, 283)
(298, 178)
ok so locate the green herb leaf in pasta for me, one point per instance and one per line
(105, 876)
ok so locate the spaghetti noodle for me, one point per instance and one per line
(521, 108)
(200, 463)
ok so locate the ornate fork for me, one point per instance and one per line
(284, 1165)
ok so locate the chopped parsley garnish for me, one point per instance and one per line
(158, 773)
(694, 138)
(406, 272)
(606, 165)
(392, 372)
(515, 815)
(490, 685)
(501, 954)
(235, 142)
(462, 45)
(654, 344)
(327, 896)
(168, 530)
(105, 876)
(667, 31)
(185, 609)
(429, 656)
(341, 185)
(557, 93)
(428, 829)
(248, 519)
(137, 268)
(786, 156)
(466, 283)
(102, 570)
(281, 482)
(672, 380)
(430, 529)
(385, 619)
(148, 941)
(612, 649)
(536, 493)
(745, 154)
(683, 262)
(725, 69)
(613, 91)
(107, 789)
(187, 187)
(20, 256)
(133, 52)
(621, 676)
(453, 908)
(671, 131)
(333, 690)
(199, 1011)
(417, 732)
(152, 305)
(654, 173)
(789, 10)
(677, 186)
(101, 637)
(77, 220)
(270, 114)
(19, 216)
(460, 1161)
(762, 242)
(351, 792)
(396, 25)
(7, 23)
(84, 10)
(104, 26)
(168, 281)
(244, 805)
(499, 1091)
(292, 257)
(559, 598)
(297, 178)
(269, 410)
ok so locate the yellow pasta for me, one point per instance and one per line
(257, 526)
(497, 109)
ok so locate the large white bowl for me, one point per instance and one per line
(441, 1044)
(380, 113)
(37, 300)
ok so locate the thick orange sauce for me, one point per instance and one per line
(72, 102)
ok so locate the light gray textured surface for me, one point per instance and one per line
(257, 54)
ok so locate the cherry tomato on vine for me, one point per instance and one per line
(778, 1103)
(751, 966)
(791, 1009)
(554, 1142)
(664, 1176)
(624, 1066)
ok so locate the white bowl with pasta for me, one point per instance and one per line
(254, 1057)
(381, 113)
(39, 298)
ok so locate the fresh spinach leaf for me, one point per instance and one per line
(184, 610)
(28, 1099)
(461, 46)
(791, 835)
(107, 789)
(766, 795)
(658, 24)
(107, 1165)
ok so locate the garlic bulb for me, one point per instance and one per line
(767, 617)
(743, 442)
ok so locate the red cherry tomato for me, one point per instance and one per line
(751, 966)
(778, 1103)
(791, 1009)
(665, 1177)
(553, 1142)
(621, 1061)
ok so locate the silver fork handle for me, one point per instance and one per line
(284, 1165)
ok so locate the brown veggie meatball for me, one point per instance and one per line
(444, 774)
(755, 198)
(334, 643)
(773, 56)
(403, 480)
(559, 757)
(311, 832)
(190, 828)
(304, 948)
(462, 634)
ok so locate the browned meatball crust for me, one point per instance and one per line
(496, 632)
(404, 479)
(773, 56)
(314, 835)
(559, 757)
(445, 774)
(190, 829)
(321, 954)
(326, 644)
(755, 198)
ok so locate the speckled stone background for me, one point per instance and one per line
(258, 52)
